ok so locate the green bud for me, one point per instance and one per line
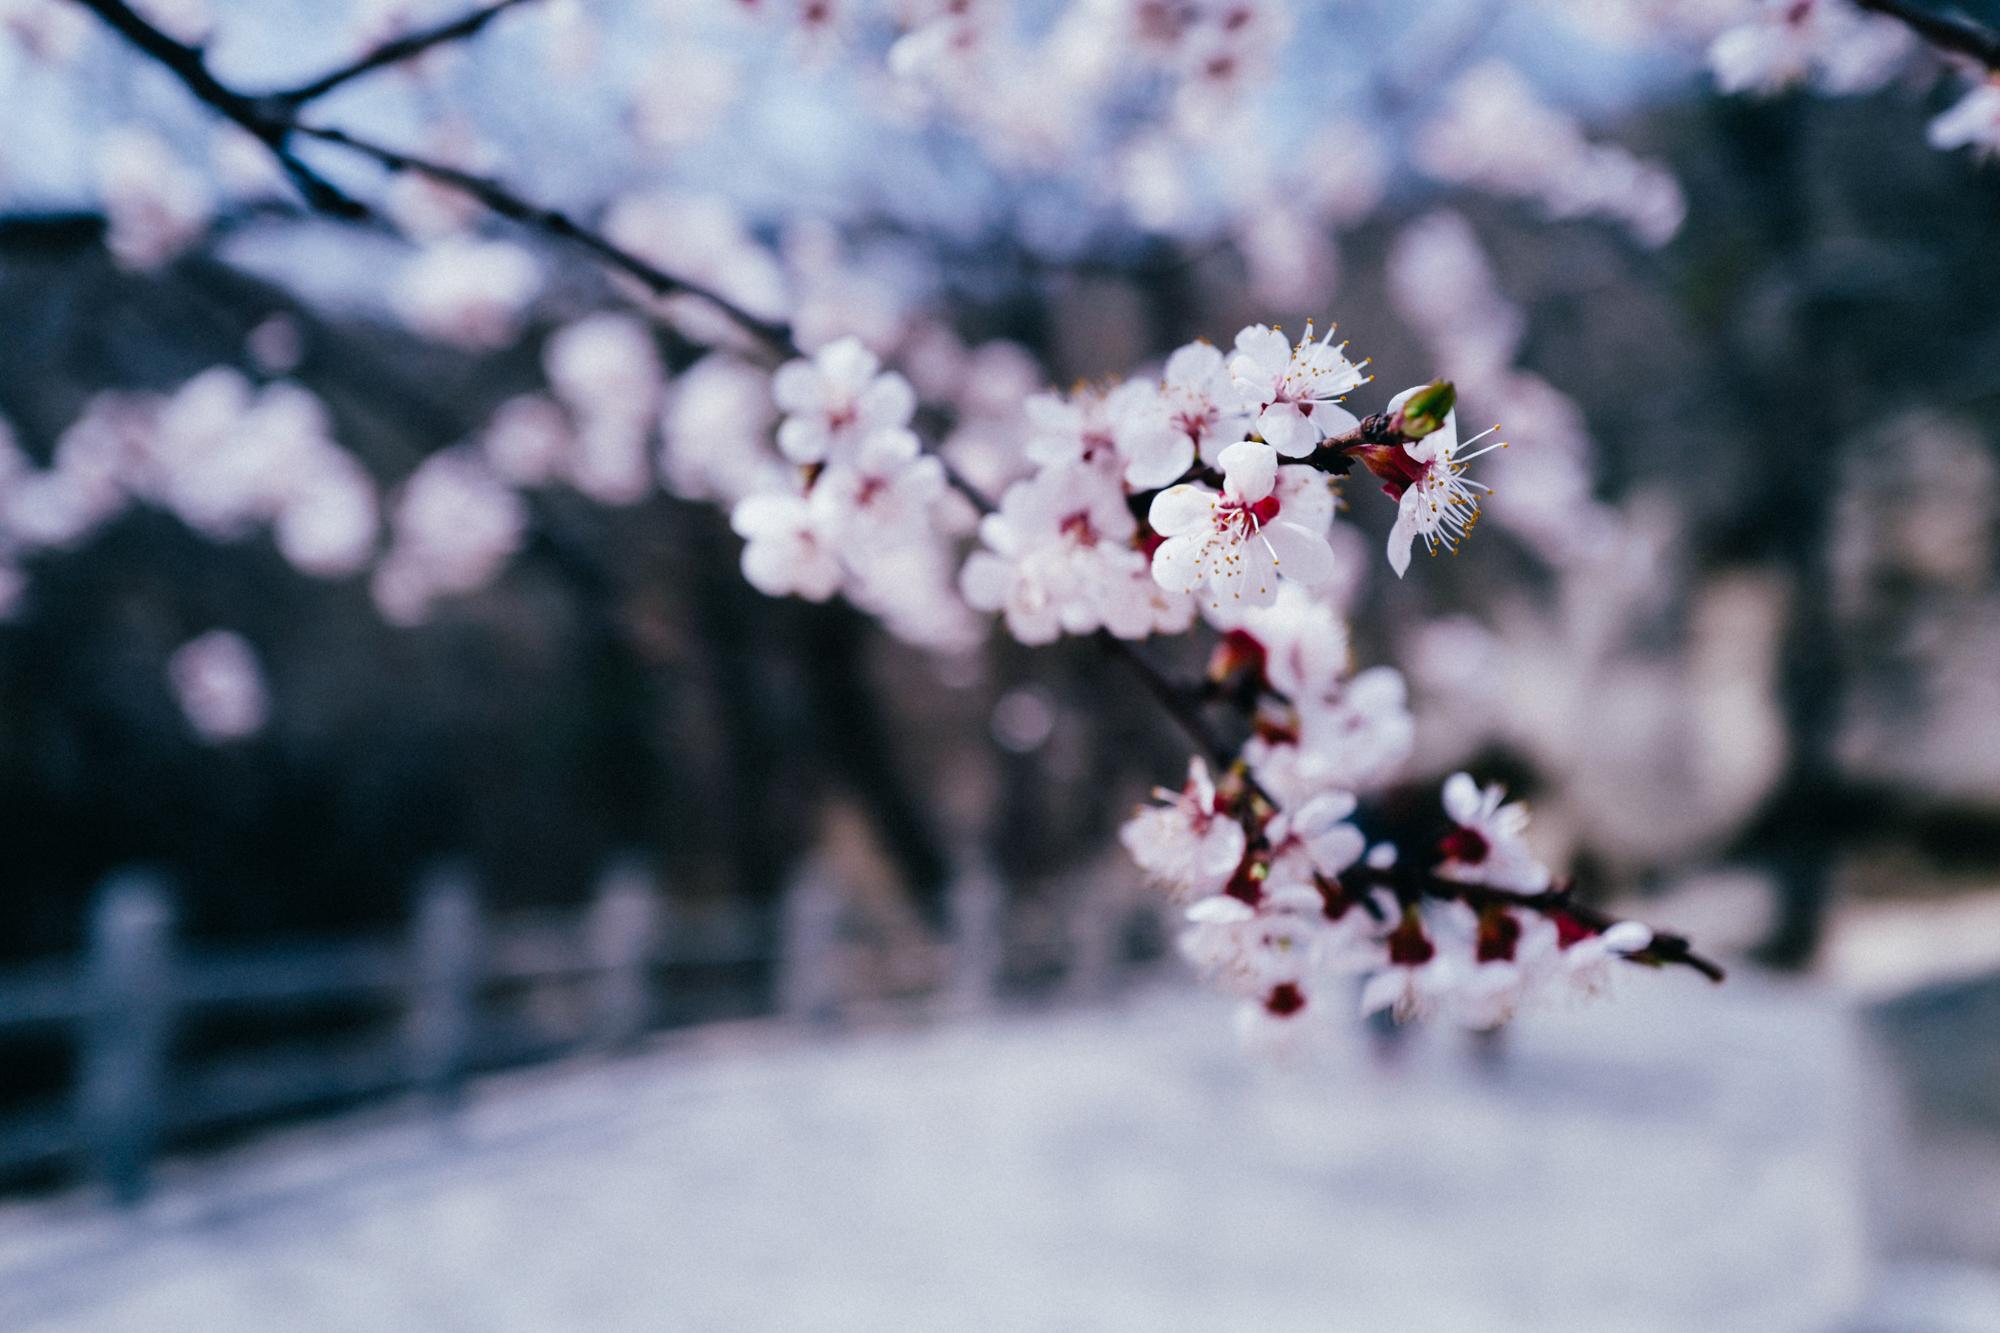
(1426, 409)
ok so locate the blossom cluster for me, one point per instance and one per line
(1287, 907)
(227, 457)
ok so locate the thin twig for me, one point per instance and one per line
(1181, 705)
(1951, 32)
(1668, 949)
(395, 52)
(496, 197)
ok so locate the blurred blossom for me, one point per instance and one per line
(454, 527)
(329, 521)
(837, 294)
(155, 206)
(1493, 132)
(220, 686)
(471, 293)
(528, 441)
(276, 345)
(1343, 172)
(1830, 43)
(1024, 719)
(226, 457)
(1973, 121)
(606, 369)
(1292, 260)
(679, 101)
(570, 38)
(49, 30)
(605, 365)
(716, 431)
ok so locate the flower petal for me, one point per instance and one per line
(1181, 509)
(1401, 536)
(1285, 429)
(1177, 564)
(1249, 470)
(1157, 458)
(1302, 556)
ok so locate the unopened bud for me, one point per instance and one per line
(1424, 411)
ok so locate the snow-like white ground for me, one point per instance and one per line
(1681, 1158)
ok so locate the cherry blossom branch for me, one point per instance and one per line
(1954, 33)
(394, 52)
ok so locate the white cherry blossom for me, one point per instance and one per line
(835, 401)
(1435, 500)
(1584, 964)
(1057, 554)
(1189, 843)
(791, 543)
(1486, 844)
(1294, 390)
(1201, 401)
(1124, 430)
(1315, 838)
(1972, 122)
(1238, 543)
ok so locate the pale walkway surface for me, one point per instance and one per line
(1680, 1158)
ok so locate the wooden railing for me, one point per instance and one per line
(599, 978)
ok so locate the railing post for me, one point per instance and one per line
(811, 984)
(126, 1031)
(1097, 925)
(624, 935)
(445, 994)
(978, 906)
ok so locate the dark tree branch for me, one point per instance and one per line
(394, 52)
(273, 120)
(1949, 32)
(1182, 705)
(190, 66)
